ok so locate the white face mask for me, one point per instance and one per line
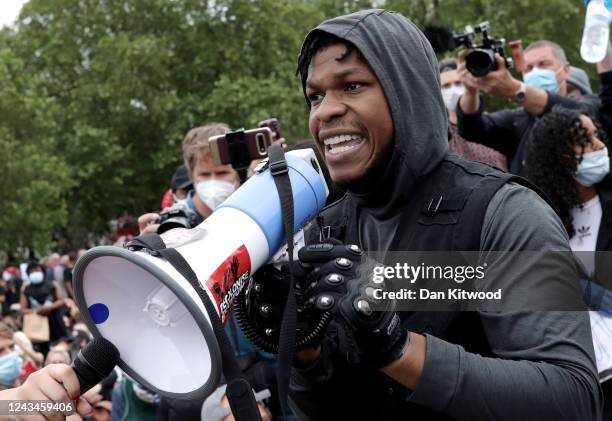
(451, 96)
(6, 276)
(214, 192)
(36, 277)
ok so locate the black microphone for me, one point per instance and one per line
(95, 362)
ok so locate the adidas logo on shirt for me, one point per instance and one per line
(584, 231)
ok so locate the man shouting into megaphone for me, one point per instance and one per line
(377, 116)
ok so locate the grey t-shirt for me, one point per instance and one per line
(544, 369)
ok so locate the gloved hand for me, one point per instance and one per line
(260, 309)
(340, 281)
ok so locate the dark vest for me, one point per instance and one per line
(445, 212)
(603, 262)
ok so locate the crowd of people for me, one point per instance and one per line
(398, 132)
(41, 325)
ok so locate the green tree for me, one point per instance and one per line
(98, 94)
(121, 82)
(33, 177)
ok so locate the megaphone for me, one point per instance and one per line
(153, 315)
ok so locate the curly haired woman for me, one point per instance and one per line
(567, 157)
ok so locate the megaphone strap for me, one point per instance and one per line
(286, 345)
(239, 392)
(237, 396)
(150, 242)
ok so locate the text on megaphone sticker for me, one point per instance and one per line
(228, 279)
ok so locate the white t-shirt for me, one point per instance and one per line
(586, 220)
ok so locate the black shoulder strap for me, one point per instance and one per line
(238, 391)
(464, 205)
(467, 236)
(286, 346)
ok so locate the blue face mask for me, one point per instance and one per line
(542, 79)
(36, 277)
(10, 368)
(593, 167)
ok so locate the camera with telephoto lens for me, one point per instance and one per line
(178, 216)
(481, 61)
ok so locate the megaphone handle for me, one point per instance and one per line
(239, 392)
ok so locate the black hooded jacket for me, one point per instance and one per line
(478, 366)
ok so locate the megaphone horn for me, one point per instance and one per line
(140, 302)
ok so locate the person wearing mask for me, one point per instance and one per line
(212, 183)
(569, 159)
(11, 362)
(12, 286)
(44, 297)
(371, 81)
(544, 85)
(452, 89)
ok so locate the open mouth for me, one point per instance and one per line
(342, 143)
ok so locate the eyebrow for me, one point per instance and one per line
(349, 72)
(339, 76)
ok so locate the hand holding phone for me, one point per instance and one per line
(240, 147)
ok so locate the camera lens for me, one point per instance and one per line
(480, 62)
(175, 222)
(261, 143)
(178, 216)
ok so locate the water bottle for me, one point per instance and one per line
(596, 32)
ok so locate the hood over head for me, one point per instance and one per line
(407, 68)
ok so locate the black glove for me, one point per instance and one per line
(341, 282)
(260, 309)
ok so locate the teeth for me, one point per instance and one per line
(340, 149)
(342, 138)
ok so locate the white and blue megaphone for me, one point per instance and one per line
(154, 316)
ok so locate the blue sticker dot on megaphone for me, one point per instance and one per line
(99, 313)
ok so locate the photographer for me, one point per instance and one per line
(544, 86)
(213, 183)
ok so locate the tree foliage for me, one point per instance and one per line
(32, 174)
(96, 95)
